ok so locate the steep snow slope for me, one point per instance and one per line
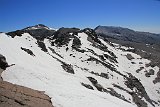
(85, 71)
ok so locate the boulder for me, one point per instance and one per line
(3, 62)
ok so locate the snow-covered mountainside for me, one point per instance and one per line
(76, 68)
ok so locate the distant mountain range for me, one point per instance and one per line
(128, 34)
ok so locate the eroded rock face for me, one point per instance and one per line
(17, 96)
(3, 62)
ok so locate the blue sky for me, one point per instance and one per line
(142, 15)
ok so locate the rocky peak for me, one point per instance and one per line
(39, 31)
(38, 26)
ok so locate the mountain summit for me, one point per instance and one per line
(38, 26)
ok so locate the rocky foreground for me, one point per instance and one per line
(12, 95)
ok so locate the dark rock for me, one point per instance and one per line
(99, 87)
(157, 79)
(129, 57)
(151, 72)
(119, 87)
(131, 50)
(106, 64)
(94, 81)
(138, 70)
(112, 59)
(133, 82)
(63, 40)
(54, 52)
(93, 37)
(133, 62)
(150, 64)
(114, 93)
(101, 57)
(15, 33)
(39, 33)
(3, 62)
(42, 45)
(104, 75)
(68, 68)
(87, 86)
(63, 36)
(138, 101)
(97, 74)
(76, 43)
(28, 51)
(67, 49)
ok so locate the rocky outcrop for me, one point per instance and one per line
(138, 70)
(111, 58)
(95, 83)
(149, 73)
(12, 95)
(3, 63)
(157, 79)
(42, 45)
(54, 52)
(87, 86)
(68, 68)
(111, 91)
(106, 64)
(64, 35)
(28, 51)
(1, 70)
(133, 83)
(129, 57)
(103, 75)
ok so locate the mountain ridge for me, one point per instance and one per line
(128, 34)
(78, 67)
